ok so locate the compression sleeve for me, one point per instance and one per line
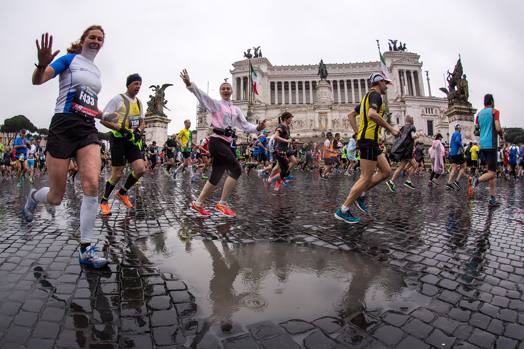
(62, 63)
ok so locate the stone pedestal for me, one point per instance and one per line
(323, 105)
(156, 129)
(464, 115)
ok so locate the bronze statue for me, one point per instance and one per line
(393, 45)
(248, 54)
(157, 102)
(322, 70)
(256, 51)
(458, 89)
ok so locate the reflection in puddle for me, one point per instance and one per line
(260, 281)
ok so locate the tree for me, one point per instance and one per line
(514, 135)
(17, 123)
(43, 131)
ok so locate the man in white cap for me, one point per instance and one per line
(371, 110)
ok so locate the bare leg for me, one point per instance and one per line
(229, 185)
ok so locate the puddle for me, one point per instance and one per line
(246, 283)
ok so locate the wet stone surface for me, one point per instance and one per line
(462, 267)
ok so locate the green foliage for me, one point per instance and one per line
(514, 135)
(43, 131)
(17, 123)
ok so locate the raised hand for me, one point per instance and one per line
(44, 50)
(185, 77)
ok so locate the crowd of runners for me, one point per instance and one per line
(72, 147)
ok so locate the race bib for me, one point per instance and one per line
(85, 102)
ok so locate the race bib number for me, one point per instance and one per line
(85, 102)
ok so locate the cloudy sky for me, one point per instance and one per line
(158, 38)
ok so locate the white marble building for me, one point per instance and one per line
(295, 88)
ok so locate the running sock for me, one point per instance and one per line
(344, 209)
(131, 180)
(41, 195)
(87, 218)
(109, 188)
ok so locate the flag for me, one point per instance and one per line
(383, 67)
(255, 84)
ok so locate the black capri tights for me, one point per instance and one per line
(283, 162)
(223, 159)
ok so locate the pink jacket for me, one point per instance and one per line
(437, 153)
(223, 113)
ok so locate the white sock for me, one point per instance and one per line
(344, 209)
(87, 217)
(41, 195)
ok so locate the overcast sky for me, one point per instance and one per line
(159, 38)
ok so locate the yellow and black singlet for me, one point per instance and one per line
(369, 129)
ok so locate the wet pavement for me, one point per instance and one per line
(430, 269)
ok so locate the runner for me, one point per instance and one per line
(521, 161)
(20, 146)
(351, 148)
(184, 139)
(474, 150)
(513, 154)
(488, 121)
(224, 116)
(329, 155)
(31, 159)
(437, 153)
(170, 151)
(402, 151)
(152, 155)
(456, 156)
(282, 142)
(371, 110)
(72, 131)
(126, 141)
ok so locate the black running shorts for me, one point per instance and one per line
(123, 150)
(490, 157)
(369, 150)
(68, 133)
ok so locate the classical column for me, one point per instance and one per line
(242, 88)
(346, 91)
(283, 93)
(359, 89)
(296, 92)
(311, 92)
(352, 91)
(304, 101)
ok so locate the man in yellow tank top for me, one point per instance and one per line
(371, 110)
(127, 126)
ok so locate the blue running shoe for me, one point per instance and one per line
(91, 259)
(361, 204)
(290, 177)
(346, 217)
(29, 207)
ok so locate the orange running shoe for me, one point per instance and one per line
(125, 200)
(225, 210)
(200, 210)
(106, 210)
(471, 191)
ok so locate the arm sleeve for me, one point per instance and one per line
(496, 115)
(375, 101)
(209, 103)
(240, 121)
(114, 104)
(62, 63)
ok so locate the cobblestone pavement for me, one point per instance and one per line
(463, 263)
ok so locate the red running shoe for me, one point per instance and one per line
(225, 210)
(200, 210)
